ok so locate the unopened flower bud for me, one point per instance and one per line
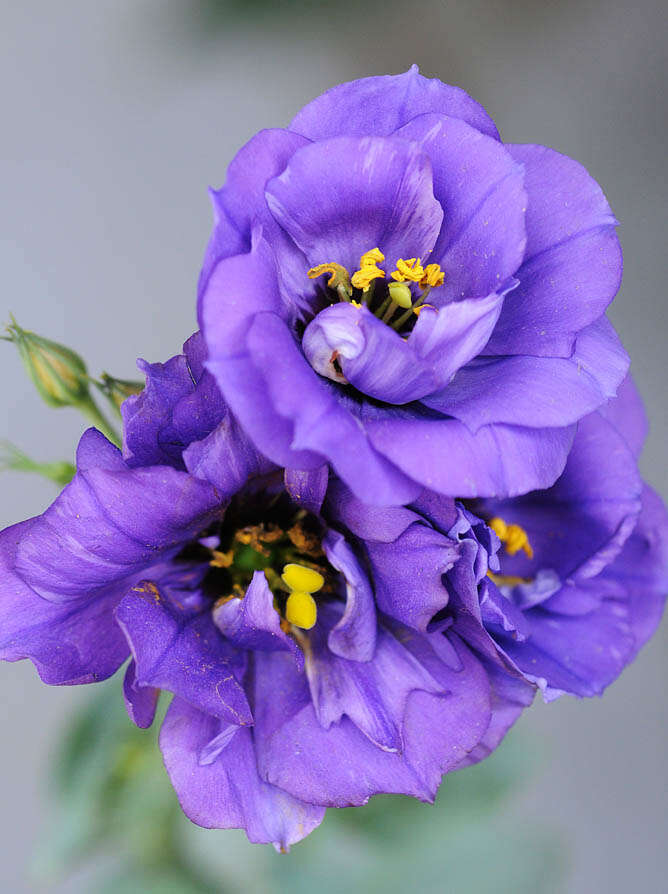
(59, 373)
(117, 390)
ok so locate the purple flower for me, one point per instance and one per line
(574, 578)
(253, 603)
(320, 649)
(391, 290)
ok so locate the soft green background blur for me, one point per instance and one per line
(116, 115)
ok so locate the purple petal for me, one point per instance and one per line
(111, 522)
(75, 642)
(179, 404)
(497, 460)
(573, 263)
(308, 488)
(372, 356)
(380, 105)
(372, 694)
(340, 766)
(510, 696)
(182, 653)
(229, 793)
(240, 205)
(226, 458)
(407, 574)
(538, 391)
(320, 422)
(238, 289)
(627, 413)
(642, 568)
(481, 190)
(381, 523)
(140, 701)
(339, 198)
(354, 634)
(579, 525)
(253, 622)
(448, 337)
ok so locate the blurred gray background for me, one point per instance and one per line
(116, 116)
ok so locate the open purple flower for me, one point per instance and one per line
(254, 605)
(319, 649)
(391, 290)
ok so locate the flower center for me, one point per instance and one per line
(396, 301)
(279, 539)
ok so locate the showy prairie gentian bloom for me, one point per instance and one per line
(320, 649)
(391, 290)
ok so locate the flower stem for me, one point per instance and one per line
(90, 409)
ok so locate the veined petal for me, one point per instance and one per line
(573, 261)
(380, 105)
(538, 391)
(480, 187)
(340, 197)
(110, 523)
(372, 357)
(253, 622)
(407, 574)
(498, 460)
(228, 793)
(354, 634)
(183, 653)
(73, 642)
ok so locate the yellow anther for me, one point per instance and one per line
(401, 294)
(299, 577)
(301, 610)
(362, 278)
(410, 270)
(371, 258)
(339, 276)
(433, 276)
(514, 537)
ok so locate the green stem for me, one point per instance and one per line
(90, 409)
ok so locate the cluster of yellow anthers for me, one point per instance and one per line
(410, 270)
(514, 537)
(300, 608)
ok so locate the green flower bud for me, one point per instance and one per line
(58, 373)
(117, 390)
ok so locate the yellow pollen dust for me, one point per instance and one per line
(410, 270)
(301, 609)
(514, 537)
(433, 276)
